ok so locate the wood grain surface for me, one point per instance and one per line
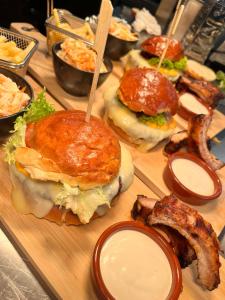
(64, 253)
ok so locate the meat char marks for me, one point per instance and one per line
(198, 127)
(189, 234)
(195, 140)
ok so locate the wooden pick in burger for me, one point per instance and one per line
(104, 20)
(172, 30)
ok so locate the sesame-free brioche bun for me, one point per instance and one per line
(87, 151)
(155, 46)
(146, 90)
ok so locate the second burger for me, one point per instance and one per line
(140, 110)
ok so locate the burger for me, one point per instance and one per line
(149, 55)
(140, 110)
(63, 168)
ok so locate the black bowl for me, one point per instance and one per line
(75, 81)
(116, 48)
(7, 123)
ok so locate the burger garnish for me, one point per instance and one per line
(63, 168)
(179, 65)
(141, 108)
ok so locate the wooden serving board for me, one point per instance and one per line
(63, 253)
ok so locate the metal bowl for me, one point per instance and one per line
(75, 81)
(116, 48)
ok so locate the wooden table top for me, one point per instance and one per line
(63, 254)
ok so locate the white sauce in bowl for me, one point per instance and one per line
(193, 176)
(192, 104)
(133, 266)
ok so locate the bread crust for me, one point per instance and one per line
(155, 46)
(146, 90)
(87, 150)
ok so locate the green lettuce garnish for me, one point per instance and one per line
(82, 203)
(159, 119)
(220, 77)
(181, 64)
(153, 61)
(169, 64)
(36, 111)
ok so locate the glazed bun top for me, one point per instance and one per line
(85, 150)
(155, 46)
(146, 90)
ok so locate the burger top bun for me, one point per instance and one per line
(88, 151)
(146, 90)
(155, 46)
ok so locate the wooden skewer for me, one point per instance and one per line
(48, 9)
(179, 14)
(174, 18)
(172, 30)
(104, 20)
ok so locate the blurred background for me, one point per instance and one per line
(199, 22)
(34, 11)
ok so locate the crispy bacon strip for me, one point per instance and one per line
(199, 233)
(198, 127)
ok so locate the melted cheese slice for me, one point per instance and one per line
(37, 197)
(129, 123)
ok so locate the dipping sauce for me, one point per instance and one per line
(192, 104)
(193, 176)
(133, 266)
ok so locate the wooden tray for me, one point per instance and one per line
(63, 253)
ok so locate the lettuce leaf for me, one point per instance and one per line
(36, 111)
(220, 77)
(181, 64)
(16, 140)
(153, 61)
(169, 64)
(82, 203)
(159, 119)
